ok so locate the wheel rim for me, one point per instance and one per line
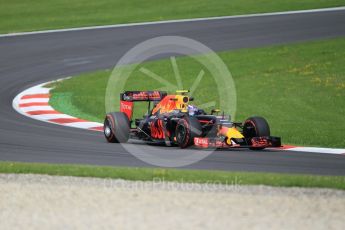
(107, 129)
(249, 130)
(181, 134)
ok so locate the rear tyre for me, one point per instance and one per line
(116, 127)
(256, 127)
(186, 129)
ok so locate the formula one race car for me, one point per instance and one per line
(172, 120)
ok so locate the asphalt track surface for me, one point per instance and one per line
(32, 59)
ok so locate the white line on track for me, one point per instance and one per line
(33, 100)
(36, 108)
(46, 117)
(318, 150)
(85, 125)
(176, 21)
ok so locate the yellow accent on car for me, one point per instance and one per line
(172, 102)
(183, 105)
(183, 92)
(233, 133)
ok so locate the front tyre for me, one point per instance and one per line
(186, 129)
(116, 127)
(256, 127)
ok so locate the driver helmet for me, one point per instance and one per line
(192, 110)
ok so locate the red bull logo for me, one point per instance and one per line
(157, 130)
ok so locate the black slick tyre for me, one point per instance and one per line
(186, 129)
(256, 127)
(116, 127)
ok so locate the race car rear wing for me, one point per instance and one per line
(142, 95)
(128, 98)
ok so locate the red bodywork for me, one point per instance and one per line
(127, 108)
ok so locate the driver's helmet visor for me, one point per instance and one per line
(192, 110)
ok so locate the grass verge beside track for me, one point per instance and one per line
(176, 175)
(20, 15)
(299, 88)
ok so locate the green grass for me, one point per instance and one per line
(176, 175)
(298, 88)
(23, 15)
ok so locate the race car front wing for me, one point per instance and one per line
(254, 142)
